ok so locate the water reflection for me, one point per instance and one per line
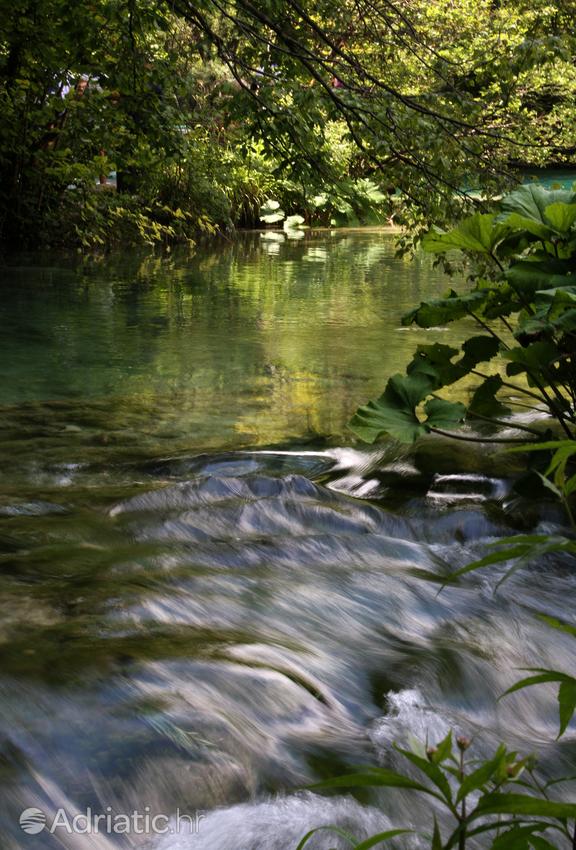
(228, 346)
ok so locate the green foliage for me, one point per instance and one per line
(498, 798)
(347, 203)
(212, 109)
(522, 296)
(566, 691)
(395, 412)
(523, 549)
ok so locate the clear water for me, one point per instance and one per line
(552, 178)
(208, 591)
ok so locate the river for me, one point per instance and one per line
(209, 591)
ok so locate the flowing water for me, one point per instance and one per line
(210, 595)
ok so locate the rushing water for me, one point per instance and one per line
(209, 594)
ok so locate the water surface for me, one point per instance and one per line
(210, 595)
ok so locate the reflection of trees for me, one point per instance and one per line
(228, 344)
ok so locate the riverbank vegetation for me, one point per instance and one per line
(522, 299)
(206, 110)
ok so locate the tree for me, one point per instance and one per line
(436, 97)
(429, 99)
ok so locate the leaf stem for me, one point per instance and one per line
(454, 436)
(506, 424)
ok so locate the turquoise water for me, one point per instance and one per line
(551, 178)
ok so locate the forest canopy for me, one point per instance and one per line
(206, 109)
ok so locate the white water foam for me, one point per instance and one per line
(280, 823)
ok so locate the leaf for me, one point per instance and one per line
(566, 703)
(540, 843)
(380, 836)
(531, 200)
(479, 349)
(444, 414)
(369, 191)
(436, 836)
(306, 838)
(536, 228)
(522, 546)
(484, 401)
(272, 218)
(479, 233)
(561, 215)
(517, 838)
(431, 770)
(269, 207)
(479, 777)
(320, 200)
(436, 360)
(431, 314)
(528, 276)
(534, 359)
(540, 678)
(549, 485)
(566, 693)
(522, 804)
(493, 558)
(394, 413)
(293, 221)
(374, 777)
(443, 749)
(558, 624)
(540, 447)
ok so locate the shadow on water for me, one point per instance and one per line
(209, 599)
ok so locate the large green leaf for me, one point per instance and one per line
(484, 401)
(535, 359)
(536, 228)
(272, 218)
(440, 311)
(394, 413)
(502, 299)
(479, 349)
(561, 215)
(530, 201)
(528, 276)
(436, 361)
(293, 222)
(478, 233)
(540, 843)
(444, 414)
